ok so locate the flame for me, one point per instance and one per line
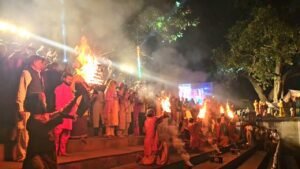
(89, 64)
(165, 104)
(89, 71)
(222, 110)
(202, 111)
(229, 111)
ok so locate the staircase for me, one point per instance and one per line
(95, 152)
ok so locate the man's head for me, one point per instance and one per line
(37, 62)
(67, 78)
(150, 112)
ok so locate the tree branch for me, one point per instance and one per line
(258, 89)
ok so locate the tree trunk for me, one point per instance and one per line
(271, 94)
(277, 81)
(258, 89)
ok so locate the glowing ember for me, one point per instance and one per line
(202, 111)
(229, 111)
(165, 104)
(222, 111)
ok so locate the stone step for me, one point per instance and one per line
(99, 143)
(174, 158)
(104, 159)
(175, 161)
(254, 161)
(229, 160)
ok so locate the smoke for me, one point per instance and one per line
(101, 21)
(169, 133)
(105, 23)
(225, 93)
(173, 67)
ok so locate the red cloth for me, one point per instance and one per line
(195, 136)
(151, 137)
(63, 96)
(111, 109)
(61, 138)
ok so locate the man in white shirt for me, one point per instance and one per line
(31, 82)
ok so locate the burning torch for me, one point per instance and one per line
(202, 111)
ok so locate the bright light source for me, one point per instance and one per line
(4, 26)
(23, 33)
(14, 29)
(127, 68)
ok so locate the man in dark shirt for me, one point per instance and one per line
(41, 147)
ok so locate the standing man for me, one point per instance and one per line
(63, 96)
(111, 108)
(31, 82)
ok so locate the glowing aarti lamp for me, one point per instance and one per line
(222, 110)
(165, 104)
(229, 111)
(202, 111)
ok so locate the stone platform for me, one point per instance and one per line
(95, 152)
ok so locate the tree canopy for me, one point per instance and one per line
(168, 26)
(259, 48)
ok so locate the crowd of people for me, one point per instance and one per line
(284, 108)
(35, 91)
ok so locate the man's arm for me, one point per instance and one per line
(23, 85)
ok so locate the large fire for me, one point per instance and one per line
(89, 64)
(229, 111)
(165, 104)
(202, 111)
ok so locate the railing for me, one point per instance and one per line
(275, 163)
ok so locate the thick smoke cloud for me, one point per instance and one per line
(104, 22)
(173, 67)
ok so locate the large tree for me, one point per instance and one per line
(260, 48)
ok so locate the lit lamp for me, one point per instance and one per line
(202, 111)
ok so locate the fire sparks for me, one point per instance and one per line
(202, 111)
(229, 111)
(165, 104)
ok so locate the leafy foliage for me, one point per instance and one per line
(255, 46)
(169, 27)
